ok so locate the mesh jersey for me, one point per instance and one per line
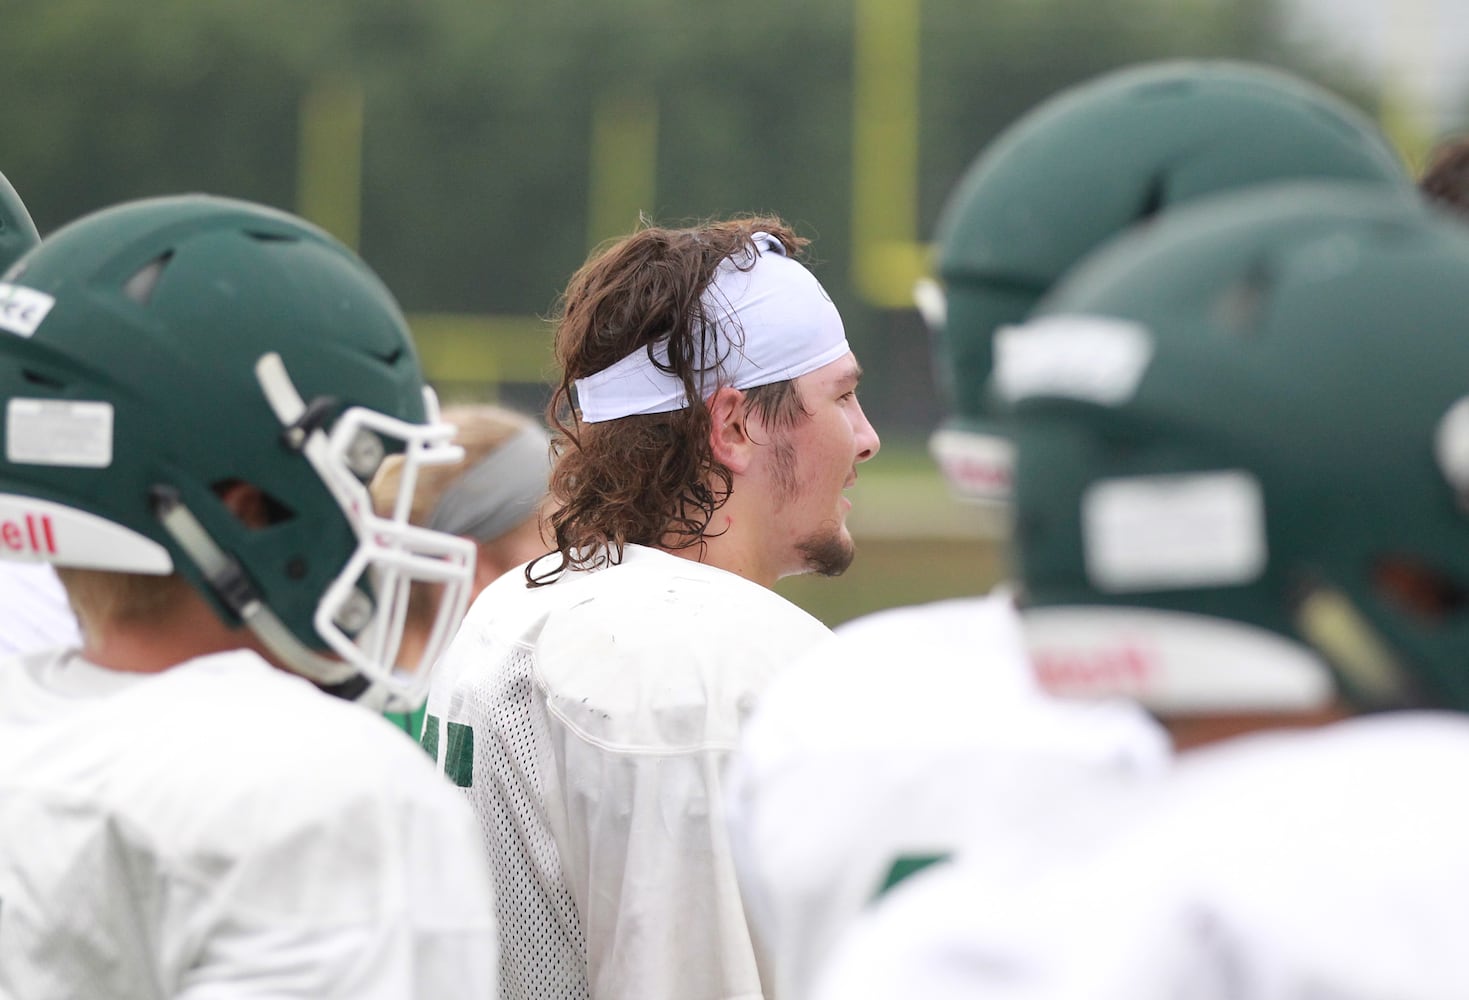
(156, 842)
(1317, 865)
(589, 721)
(918, 730)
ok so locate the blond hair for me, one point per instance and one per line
(103, 599)
(482, 429)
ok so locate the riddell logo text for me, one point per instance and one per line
(1124, 669)
(22, 309)
(976, 475)
(32, 533)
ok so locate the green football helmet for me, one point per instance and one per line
(17, 231)
(1086, 165)
(1242, 480)
(156, 353)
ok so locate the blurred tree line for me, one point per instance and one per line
(479, 121)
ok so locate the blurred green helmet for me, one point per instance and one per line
(1086, 165)
(17, 231)
(159, 353)
(1242, 480)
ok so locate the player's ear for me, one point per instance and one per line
(729, 433)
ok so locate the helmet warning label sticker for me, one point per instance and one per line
(1168, 532)
(58, 432)
(22, 309)
(1091, 358)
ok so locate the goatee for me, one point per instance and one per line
(828, 555)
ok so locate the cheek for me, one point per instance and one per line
(838, 449)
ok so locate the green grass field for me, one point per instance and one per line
(915, 543)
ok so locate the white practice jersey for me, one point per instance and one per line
(1324, 865)
(590, 722)
(34, 613)
(223, 829)
(918, 730)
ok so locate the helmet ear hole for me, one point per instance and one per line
(252, 506)
(1417, 589)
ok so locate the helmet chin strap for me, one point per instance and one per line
(228, 580)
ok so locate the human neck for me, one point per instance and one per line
(1192, 731)
(729, 544)
(189, 629)
(415, 638)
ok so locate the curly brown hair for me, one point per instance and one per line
(648, 479)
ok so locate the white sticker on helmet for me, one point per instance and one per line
(58, 432)
(43, 531)
(22, 309)
(1092, 358)
(1172, 532)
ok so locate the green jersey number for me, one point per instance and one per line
(458, 749)
(904, 866)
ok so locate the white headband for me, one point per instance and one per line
(772, 321)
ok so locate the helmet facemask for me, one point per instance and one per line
(362, 613)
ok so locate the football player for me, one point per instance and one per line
(1243, 464)
(1091, 162)
(926, 728)
(708, 426)
(33, 609)
(196, 392)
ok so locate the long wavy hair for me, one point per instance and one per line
(648, 479)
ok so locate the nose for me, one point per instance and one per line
(866, 436)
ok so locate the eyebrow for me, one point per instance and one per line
(852, 376)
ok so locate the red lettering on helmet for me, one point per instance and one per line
(1122, 669)
(31, 532)
(974, 473)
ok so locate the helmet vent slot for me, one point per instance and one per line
(38, 378)
(1154, 198)
(1240, 306)
(140, 286)
(265, 237)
